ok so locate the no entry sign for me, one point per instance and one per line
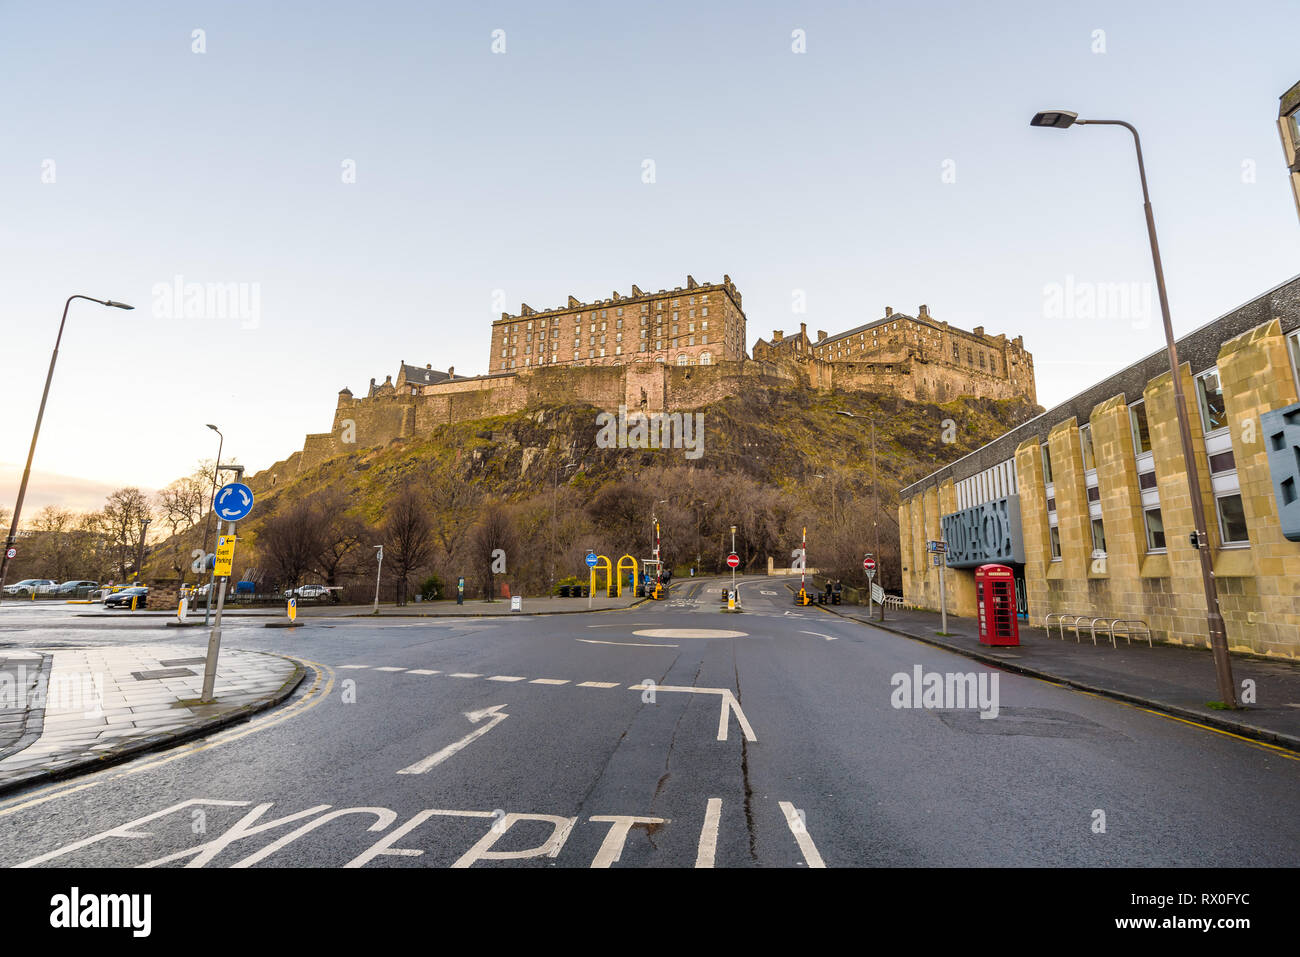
(869, 564)
(733, 560)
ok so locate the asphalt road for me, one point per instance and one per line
(527, 744)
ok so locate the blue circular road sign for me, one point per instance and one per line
(233, 501)
(591, 560)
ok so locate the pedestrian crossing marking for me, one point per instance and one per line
(390, 669)
(423, 671)
(465, 674)
(506, 678)
(549, 681)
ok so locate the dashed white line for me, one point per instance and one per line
(390, 669)
(709, 834)
(801, 836)
(506, 678)
(423, 671)
(549, 681)
(465, 674)
(598, 684)
(353, 667)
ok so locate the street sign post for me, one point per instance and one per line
(591, 561)
(225, 556)
(11, 553)
(869, 566)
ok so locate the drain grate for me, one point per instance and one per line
(163, 673)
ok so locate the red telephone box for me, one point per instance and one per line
(995, 587)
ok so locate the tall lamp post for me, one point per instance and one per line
(1062, 119)
(40, 414)
(207, 527)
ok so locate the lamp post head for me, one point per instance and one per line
(1055, 119)
(117, 305)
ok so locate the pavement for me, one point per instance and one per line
(1179, 680)
(71, 710)
(664, 735)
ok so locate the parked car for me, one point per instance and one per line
(309, 593)
(122, 599)
(73, 587)
(29, 586)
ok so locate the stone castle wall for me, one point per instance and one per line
(372, 421)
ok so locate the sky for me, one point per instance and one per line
(376, 182)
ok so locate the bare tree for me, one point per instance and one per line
(290, 540)
(182, 505)
(408, 537)
(122, 517)
(492, 542)
(342, 534)
(54, 542)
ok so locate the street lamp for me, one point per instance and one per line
(1063, 119)
(379, 555)
(207, 526)
(875, 492)
(49, 376)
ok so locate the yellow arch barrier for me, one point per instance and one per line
(628, 563)
(602, 562)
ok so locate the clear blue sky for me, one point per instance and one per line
(477, 171)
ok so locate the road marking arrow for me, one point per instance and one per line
(819, 635)
(495, 716)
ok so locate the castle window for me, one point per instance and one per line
(956, 353)
(643, 320)
(690, 327)
(683, 360)
(674, 328)
(705, 323)
(659, 344)
(620, 310)
(643, 333)
(659, 307)
(981, 360)
(706, 359)
(674, 316)
(968, 357)
(704, 311)
(645, 307)
(691, 314)
(704, 339)
(602, 352)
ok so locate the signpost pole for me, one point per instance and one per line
(378, 570)
(214, 639)
(943, 595)
(733, 551)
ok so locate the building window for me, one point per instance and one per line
(1137, 413)
(1085, 445)
(981, 360)
(1047, 464)
(1232, 520)
(956, 352)
(1054, 534)
(1155, 530)
(1098, 538)
(1214, 414)
(706, 359)
(683, 360)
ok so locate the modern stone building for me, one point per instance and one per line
(980, 364)
(1288, 124)
(1088, 502)
(699, 325)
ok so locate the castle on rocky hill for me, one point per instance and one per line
(669, 350)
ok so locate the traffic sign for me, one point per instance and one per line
(733, 560)
(591, 559)
(869, 563)
(937, 546)
(11, 553)
(877, 594)
(234, 501)
(225, 556)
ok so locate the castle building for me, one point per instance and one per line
(701, 324)
(899, 340)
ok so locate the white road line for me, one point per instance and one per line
(494, 715)
(819, 635)
(626, 644)
(709, 834)
(729, 705)
(506, 678)
(353, 667)
(801, 836)
(423, 671)
(597, 684)
(390, 669)
(549, 681)
(465, 674)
